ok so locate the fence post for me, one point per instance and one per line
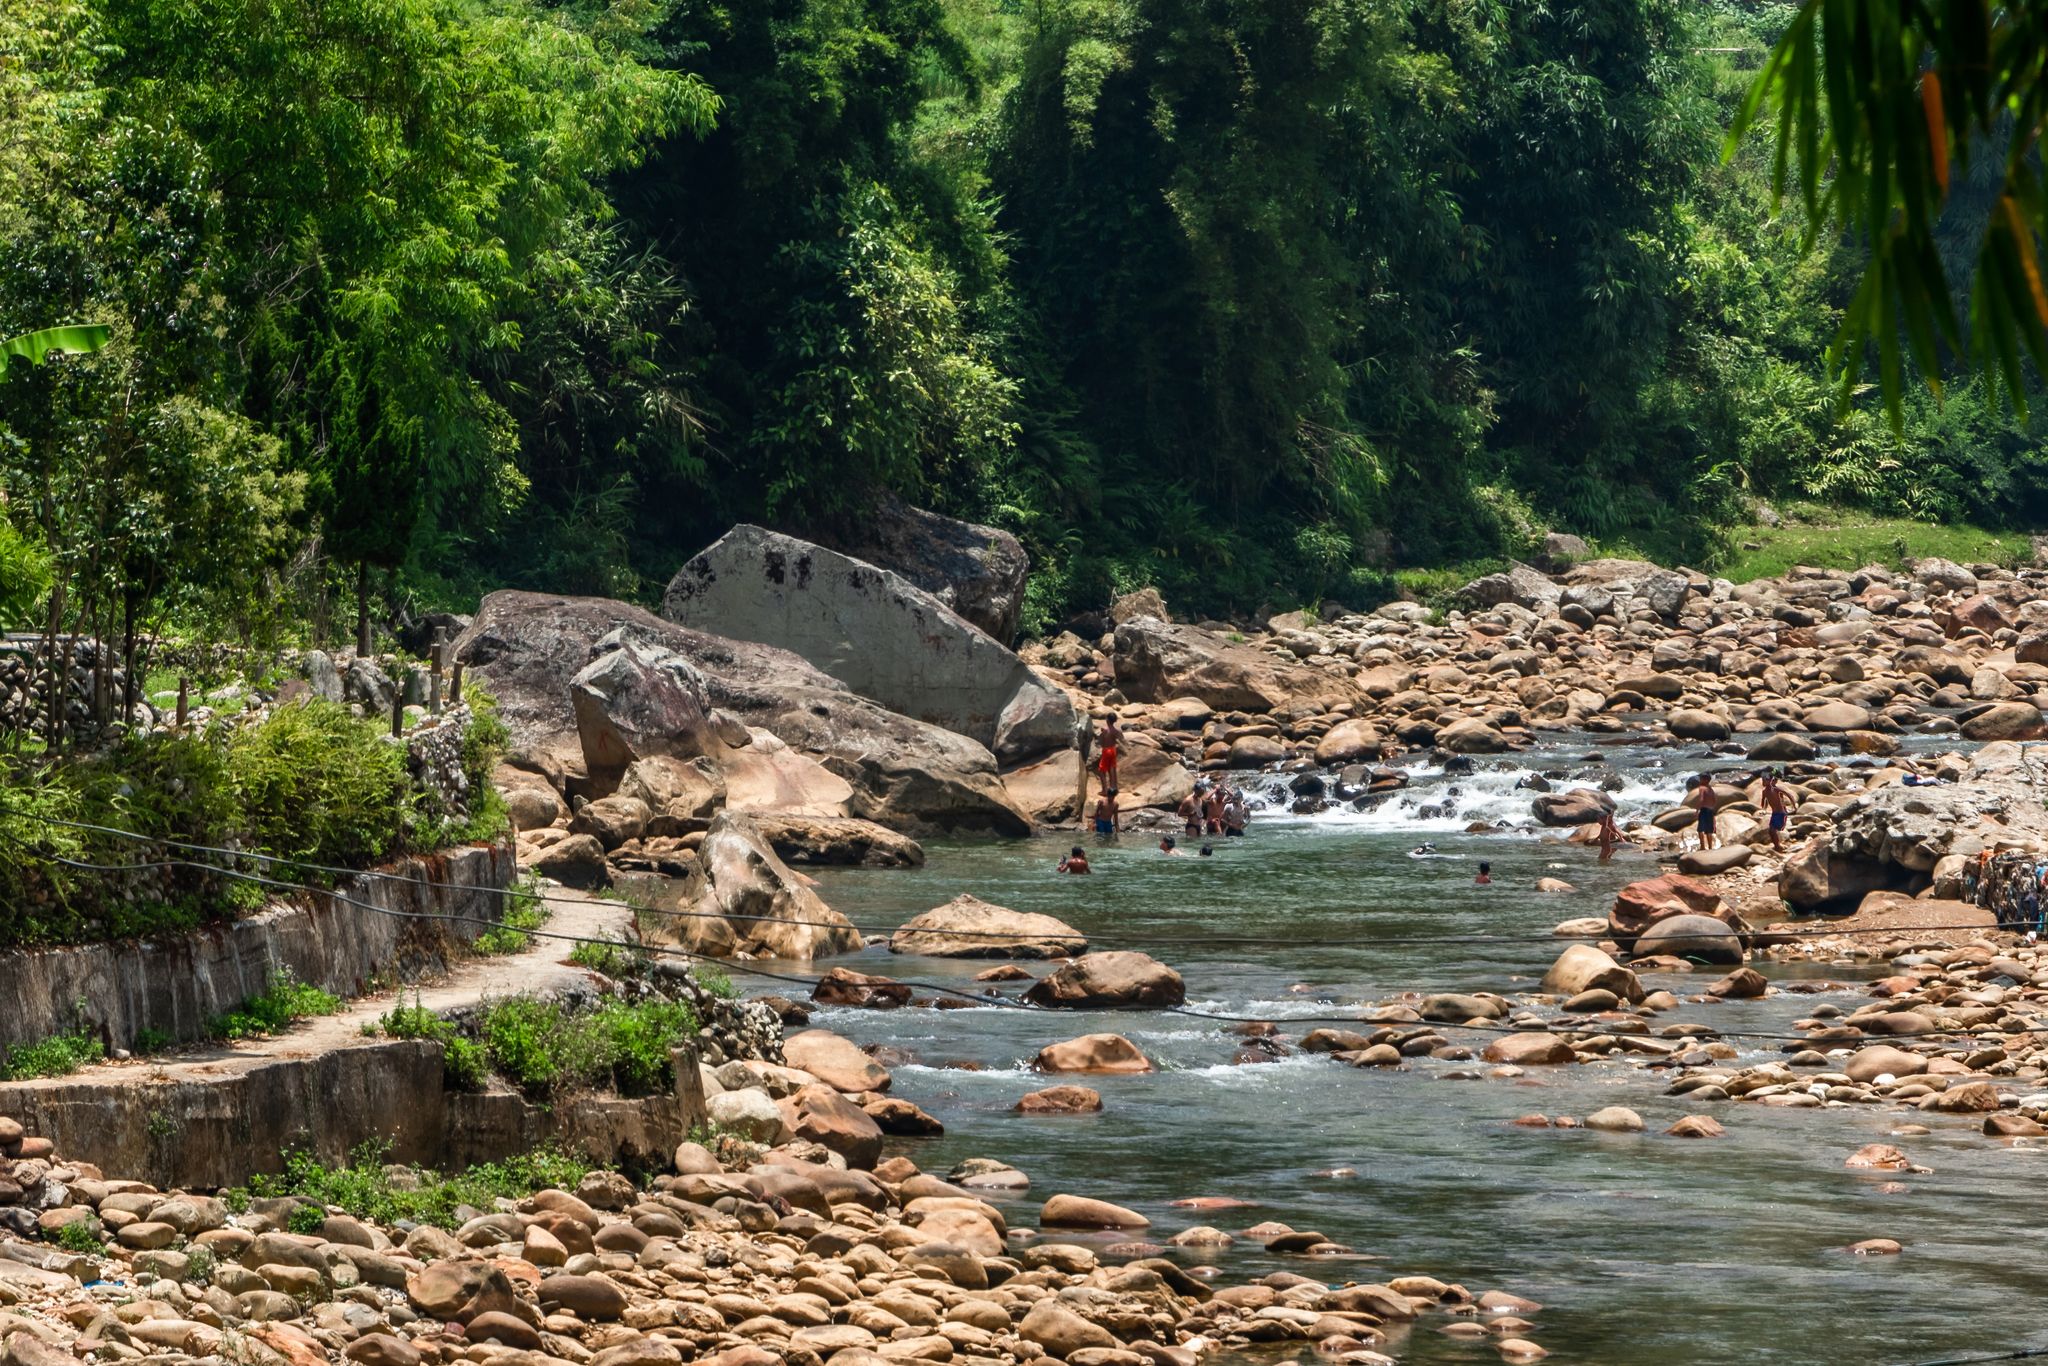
(1084, 740)
(434, 673)
(397, 708)
(455, 685)
(184, 700)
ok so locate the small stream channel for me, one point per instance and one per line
(1643, 1248)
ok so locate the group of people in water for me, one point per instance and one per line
(1213, 808)
(1216, 807)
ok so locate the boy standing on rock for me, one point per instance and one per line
(1780, 806)
(1709, 805)
(1106, 763)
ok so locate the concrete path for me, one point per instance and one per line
(541, 967)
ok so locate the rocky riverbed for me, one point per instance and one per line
(783, 1255)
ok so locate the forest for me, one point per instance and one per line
(1259, 301)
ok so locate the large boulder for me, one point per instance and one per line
(1157, 662)
(2004, 721)
(1691, 936)
(1521, 584)
(1814, 878)
(1579, 806)
(837, 841)
(1641, 904)
(633, 702)
(835, 1061)
(977, 571)
(874, 631)
(968, 927)
(1101, 1054)
(771, 909)
(768, 775)
(1113, 980)
(1581, 967)
(905, 774)
(823, 1116)
(1147, 776)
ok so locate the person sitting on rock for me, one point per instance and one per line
(1107, 821)
(1779, 804)
(1167, 845)
(1105, 763)
(1076, 861)
(1709, 804)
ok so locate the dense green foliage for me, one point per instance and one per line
(369, 1189)
(307, 783)
(1254, 299)
(58, 1056)
(276, 1008)
(544, 1048)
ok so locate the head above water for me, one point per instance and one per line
(1208, 850)
(1075, 852)
(1166, 841)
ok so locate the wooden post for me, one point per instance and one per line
(455, 685)
(434, 673)
(184, 700)
(1084, 740)
(397, 708)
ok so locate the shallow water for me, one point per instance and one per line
(1643, 1248)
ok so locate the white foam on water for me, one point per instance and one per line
(1436, 803)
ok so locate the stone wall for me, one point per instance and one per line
(218, 1131)
(174, 985)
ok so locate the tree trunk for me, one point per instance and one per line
(53, 720)
(363, 608)
(129, 683)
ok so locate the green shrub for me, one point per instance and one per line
(540, 1047)
(524, 911)
(149, 1040)
(307, 1218)
(717, 982)
(57, 1056)
(365, 1189)
(612, 958)
(463, 1061)
(315, 783)
(284, 1002)
(82, 1237)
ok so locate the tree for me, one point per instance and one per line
(1878, 109)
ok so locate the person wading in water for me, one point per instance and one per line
(1107, 821)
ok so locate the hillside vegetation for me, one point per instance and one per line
(1258, 300)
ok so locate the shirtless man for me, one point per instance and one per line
(1075, 862)
(1190, 813)
(1107, 821)
(1779, 803)
(1168, 846)
(1105, 763)
(1212, 810)
(1710, 805)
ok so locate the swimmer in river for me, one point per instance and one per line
(1076, 861)
(1167, 846)
(1208, 850)
(1422, 851)
(1485, 878)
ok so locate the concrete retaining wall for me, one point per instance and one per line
(174, 985)
(218, 1131)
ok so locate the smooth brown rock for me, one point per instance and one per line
(1093, 1053)
(968, 927)
(1074, 1211)
(1696, 1126)
(835, 1061)
(1061, 1100)
(1112, 980)
(1526, 1050)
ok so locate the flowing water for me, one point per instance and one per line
(1643, 1248)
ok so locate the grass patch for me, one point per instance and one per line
(612, 958)
(1831, 538)
(524, 912)
(1438, 587)
(366, 1190)
(58, 1056)
(462, 1059)
(82, 1237)
(717, 982)
(542, 1048)
(283, 1003)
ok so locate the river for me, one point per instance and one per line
(1643, 1248)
